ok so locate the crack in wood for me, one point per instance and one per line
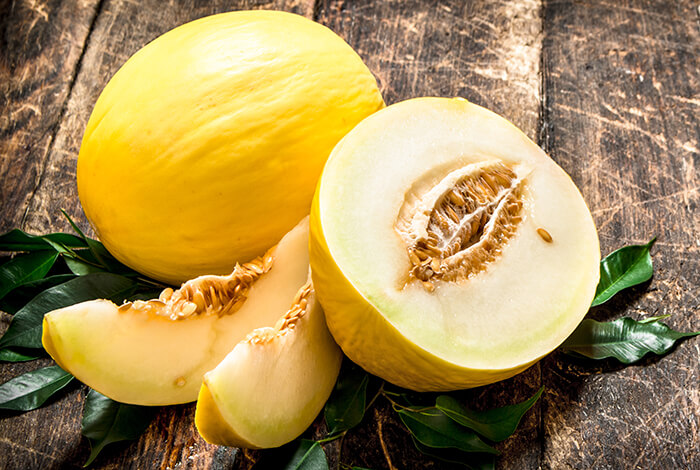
(30, 450)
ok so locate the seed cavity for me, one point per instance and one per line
(207, 295)
(544, 234)
(459, 225)
(288, 322)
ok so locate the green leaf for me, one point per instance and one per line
(82, 262)
(106, 421)
(433, 428)
(20, 296)
(97, 249)
(472, 460)
(29, 391)
(623, 268)
(17, 240)
(308, 456)
(346, 406)
(496, 424)
(75, 227)
(25, 268)
(653, 319)
(146, 294)
(11, 355)
(625, 339)
(25, 329)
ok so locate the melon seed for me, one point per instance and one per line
(473, 213)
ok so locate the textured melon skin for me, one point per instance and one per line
(204, 149)
(359, 324)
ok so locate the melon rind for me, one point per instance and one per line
(464, 334)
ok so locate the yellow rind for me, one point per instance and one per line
(212, 426)
(205, 147)
(48, 343)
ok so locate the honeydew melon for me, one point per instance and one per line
(204, 149)
(156, 352)
(448, 250)
(270, 388)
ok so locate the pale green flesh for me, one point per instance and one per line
(147, 359)
(270, 393)
(526, 303)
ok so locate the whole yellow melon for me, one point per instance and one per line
(205, 147)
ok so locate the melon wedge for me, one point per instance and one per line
(272, 385)
(447, 249)
(156, 352)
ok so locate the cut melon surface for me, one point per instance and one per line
(156, 352)
(270, 388)
(447, 249)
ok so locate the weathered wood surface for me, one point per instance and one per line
(622, 116)
(610, 89)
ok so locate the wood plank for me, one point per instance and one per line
(489, 53)
(622, 117)
(40, 46)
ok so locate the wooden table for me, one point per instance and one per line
(609, 88)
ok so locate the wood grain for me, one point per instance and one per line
(622, 117)
(609, 88)
(41, 44)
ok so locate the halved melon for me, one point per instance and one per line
(447, 249)
(156, 352)
(270, 388)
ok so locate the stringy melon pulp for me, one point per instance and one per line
(156, 352)
(515, 268)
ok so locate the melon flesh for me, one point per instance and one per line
(270, 388)
(148, 358)
(459, 333)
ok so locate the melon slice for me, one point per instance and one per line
(156, 352)
(448, 250)
(272, 385)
